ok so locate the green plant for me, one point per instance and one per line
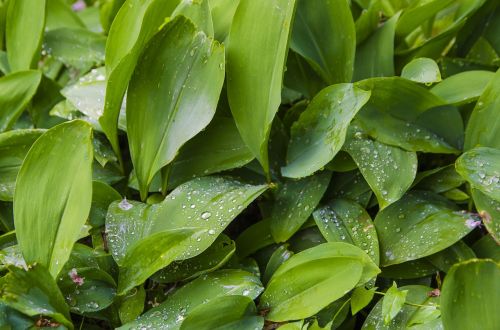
(250, 164)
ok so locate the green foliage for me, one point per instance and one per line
(249, 164)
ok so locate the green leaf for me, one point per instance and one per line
(203, 290)
(416, 294)
(481, 129)
(59, 165)
(417, 13)
(211, 259)
(217, 148)
(392, 303)
(374, 57)
(360, 298)
(456, 253)
(132, 305)
(34, 292)
(16, 91)
(422, 70)
(256, 58)
(439, 180)
(294, 202)
(150, 254)
(418, 225)
(320, 131)
(464, 87)
(254, 238)
(279, 256)
(479, 166)
(135, 23)
(343, 220)
(199, 13)
(469, 295)
(60, 15)
(223, 14)
(489, 210)
(224, 313)
(24, 32)
(77, 47)
(388, 170)
(14, 146)
(155, 136)
(324, 34)
(208, 204)
(312, 279)
(102, 196)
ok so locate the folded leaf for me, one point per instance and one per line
(53, 194)
(256, 58)
(156, 135)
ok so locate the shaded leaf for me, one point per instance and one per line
(324, 34)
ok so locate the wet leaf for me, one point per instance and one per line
(422, 70)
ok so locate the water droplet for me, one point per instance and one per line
(206, 215)
(211, 232)
(125, 205)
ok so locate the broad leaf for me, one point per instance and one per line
(199, 13)
(464, 87)
(481, 168)
(294, 202)
(360, 298)
(422, 70)
(312, 279)
(135, 23)
(418, 225)
(150, 254)
(14, 146)
(59, 165)
(469, 295)
(388, 170)
(343, 220)
(224, 313)
(417, 294)
(481, 129)
(178, 306)
(24, 32)
(76, 47)
(211, 259)
(34, 292)
(392, 303)
(324, 34)
(16, 91)
(489, 210)
(375, 56)
(256, 58)
(156, 135)
(321, 129)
